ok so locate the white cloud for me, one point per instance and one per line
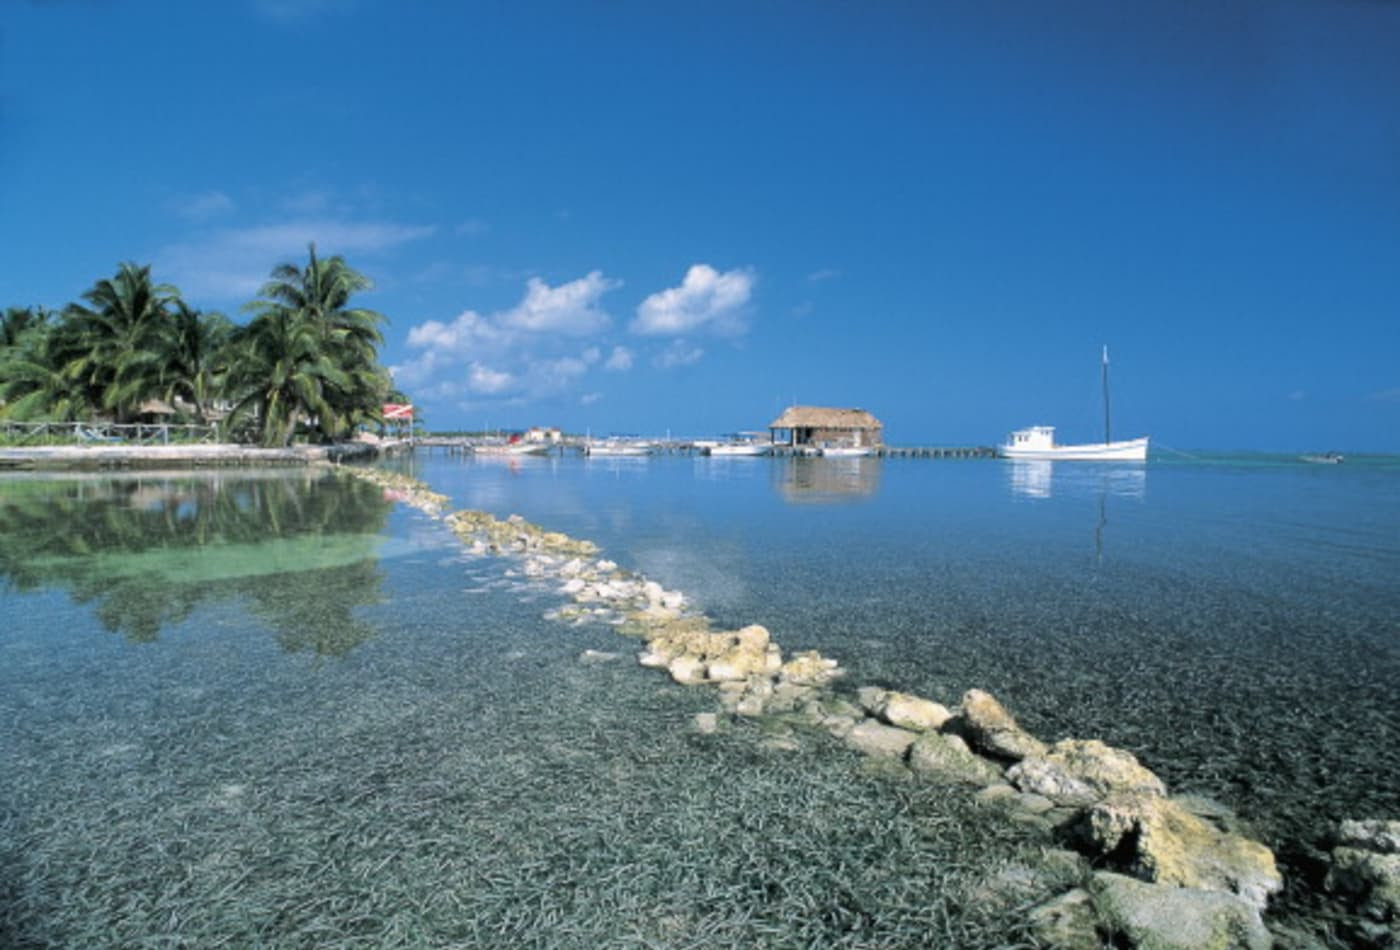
(620, 360)
(570, 309)
(706, 299)
(205, 205)
(528, 351)
(468, 331)
(482, 379)
(232, 263)
(679, 353)
(588, 399)
(826, 273)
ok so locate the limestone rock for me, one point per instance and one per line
(788, 697)
(1067, 922)
(1371, 879)
(876, 738)
(871, 699)
(839, 726)
(706, 723)
(1155, 839)
(1077, 773)
(750, 705)
(947, 759)
(687, 669)
(1164, 917)
(913, 712)
(993, 730)
(1366, 869)
(809, 668)
(710, 657)
(998, 795)
(753, 638)
(1383, 837)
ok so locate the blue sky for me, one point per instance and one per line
(639, 216)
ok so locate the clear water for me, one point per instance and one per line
(277, 709)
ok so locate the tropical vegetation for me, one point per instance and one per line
(304, 365)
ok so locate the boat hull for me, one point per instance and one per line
(628, 450)
(1129, 450)
(511, 451)
(738, 450)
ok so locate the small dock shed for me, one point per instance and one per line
(822, 426)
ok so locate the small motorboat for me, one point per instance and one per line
(512, 450)
(617, 447)
(1326, 458)
(737, 449)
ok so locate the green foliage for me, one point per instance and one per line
(118, 336)
(307, 357)
(307, 362)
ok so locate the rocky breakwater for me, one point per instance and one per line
(1155, 871)
(402, 489)
(1150, 870)
(1365, 875)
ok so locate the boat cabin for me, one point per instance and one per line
(1035, 437)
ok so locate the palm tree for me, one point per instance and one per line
(307, 355)
(121, 362)
(16, 321)
(192, 348)
(36, 376)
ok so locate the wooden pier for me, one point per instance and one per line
(458, 445)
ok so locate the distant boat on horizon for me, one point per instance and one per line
(1326, 458)
(1038, 442)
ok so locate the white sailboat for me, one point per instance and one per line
(1038, 442)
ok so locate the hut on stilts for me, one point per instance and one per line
(823, 427)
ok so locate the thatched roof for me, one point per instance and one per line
(820, 417)
(156, 407)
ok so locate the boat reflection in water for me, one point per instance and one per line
(1041, 478)
(1030, 478)
(825, 481)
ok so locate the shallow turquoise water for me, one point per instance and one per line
(1233, 620)
(277, 709)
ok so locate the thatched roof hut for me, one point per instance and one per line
(820, 425)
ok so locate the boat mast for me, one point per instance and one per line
(1107, 424)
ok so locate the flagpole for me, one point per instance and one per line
(1107, 417)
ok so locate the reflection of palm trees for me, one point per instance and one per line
(147, 550)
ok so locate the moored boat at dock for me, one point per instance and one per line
(513, 449)
(618, 447)
(1038, 442)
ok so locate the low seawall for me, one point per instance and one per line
(194, 455)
